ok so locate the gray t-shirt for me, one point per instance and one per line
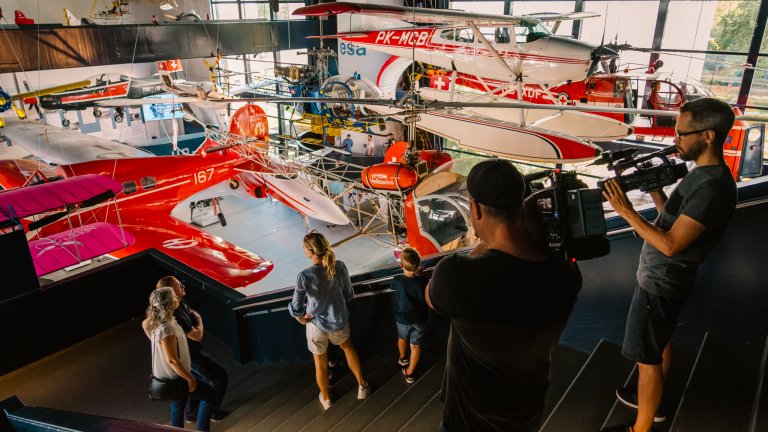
(160, 366)
(707, 195)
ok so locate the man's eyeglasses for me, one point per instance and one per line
(679, 134)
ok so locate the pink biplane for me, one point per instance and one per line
(42, 204)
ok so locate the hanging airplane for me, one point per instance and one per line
(101, 87)
(523, 51)
(153, 186)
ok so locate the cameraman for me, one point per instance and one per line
(689, 225)
(508, 302)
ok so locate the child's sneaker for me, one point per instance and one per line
(363, 391)
(410, 379)
(404, 361)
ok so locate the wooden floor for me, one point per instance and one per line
(108, 375)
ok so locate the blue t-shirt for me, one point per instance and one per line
(410, 306)
(325, 299)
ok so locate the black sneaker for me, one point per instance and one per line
(404, 361)
(190, 420)
(218, 416)
(629, 398)
(410, 379)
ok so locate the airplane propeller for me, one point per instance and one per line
(600, 54)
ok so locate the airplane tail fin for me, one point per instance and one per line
(70, 17)
(167, 69)
(249, 121)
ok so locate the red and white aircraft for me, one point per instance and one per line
(500, 52)
(153, 186)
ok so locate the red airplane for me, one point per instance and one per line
(153, 186)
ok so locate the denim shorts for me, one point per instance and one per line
(413, 333)
(650, 323)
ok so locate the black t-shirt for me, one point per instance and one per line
(410, 306)
(707, 195)
(186, 320)
(506, 317)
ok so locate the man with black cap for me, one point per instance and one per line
(508, 302)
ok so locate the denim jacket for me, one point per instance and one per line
(325, 300)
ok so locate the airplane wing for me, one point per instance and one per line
(130, 102)
(414, 15)
(553, 16)
(294, 188)
(63, 146)
(212, 255)
(70, 247)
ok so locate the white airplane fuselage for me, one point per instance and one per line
(546, 59)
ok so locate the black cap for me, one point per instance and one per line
(496, 183)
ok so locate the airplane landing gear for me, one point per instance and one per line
(65, 123)
(207, 212)
(96, 112)
(119, 115)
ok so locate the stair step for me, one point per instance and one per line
(250, 393)
(428, 418)
(342, 385)
(271, 397)
(347, 402)
(415, 397)
(721, 388)
(760, 410)
(589, 398)
(566, 363)
(379, 400)
(683, 359)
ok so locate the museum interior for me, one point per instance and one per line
(186, 167)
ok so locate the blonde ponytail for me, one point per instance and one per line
(319, 246)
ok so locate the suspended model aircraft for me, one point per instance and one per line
(153, 186)
(101, 87)
(60, 199)
(523, 51)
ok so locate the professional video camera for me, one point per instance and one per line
(648, 176)
(566, 215)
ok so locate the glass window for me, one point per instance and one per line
(129, 187)
(486, 7)
(534, 7)
(148, 183)
(226, 11)
(631, 22)
(447, 34)
(465, 35)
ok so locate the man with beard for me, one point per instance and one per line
(689, 225)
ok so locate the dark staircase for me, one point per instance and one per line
(720, 386)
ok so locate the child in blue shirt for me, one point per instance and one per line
(411, 310)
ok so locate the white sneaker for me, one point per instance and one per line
(326, 403)
(363, 391)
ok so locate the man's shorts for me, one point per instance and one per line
(411, 332)
(317, 340)
(650, 323)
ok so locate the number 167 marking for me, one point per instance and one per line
(203, 176)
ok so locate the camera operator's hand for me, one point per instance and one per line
(617, 198)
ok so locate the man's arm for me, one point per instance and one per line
(426, 295)
(196, 334)
(683, 232)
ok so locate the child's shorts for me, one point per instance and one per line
(413, 333)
